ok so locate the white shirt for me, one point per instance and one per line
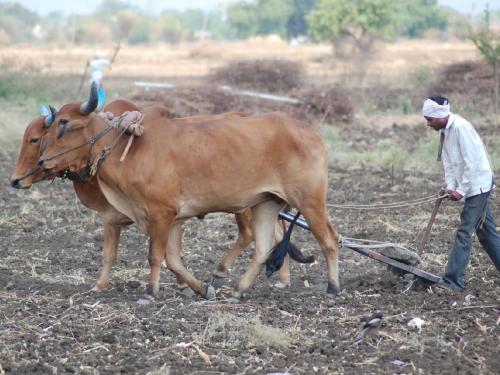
(97, 67)
(467, 169)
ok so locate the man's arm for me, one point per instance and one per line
(449, 177)
(470, 146)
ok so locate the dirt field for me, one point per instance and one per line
(51, 321)
(186, 62)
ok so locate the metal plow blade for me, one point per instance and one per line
(427, 276)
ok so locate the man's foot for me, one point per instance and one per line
(445, 285)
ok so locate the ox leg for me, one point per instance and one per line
(328, 238)
(265, 215)
(110, 250)
(245, 238)
(174, 263)
(175, 241)
(284, 271)
(159, 229)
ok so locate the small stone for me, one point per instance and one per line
(187, 292)
(143, 301)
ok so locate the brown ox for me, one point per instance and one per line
(178, 171)
(28, 172)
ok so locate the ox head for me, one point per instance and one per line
(68, 144)
(27, 170)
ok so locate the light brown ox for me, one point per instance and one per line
(28, 172)
(178, 171)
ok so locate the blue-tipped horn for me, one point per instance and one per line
(44, 110)
(101, 99)
(90, 105)
(49, 113)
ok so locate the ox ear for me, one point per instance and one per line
(101, 99)
(90, 105)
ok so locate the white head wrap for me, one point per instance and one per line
(435, 110)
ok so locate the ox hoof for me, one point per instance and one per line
(98, 289)
(182, 286)
(187, 292)
(210, 292)
(280, 285)
(150, 291)
(217, 281)
(332, 291)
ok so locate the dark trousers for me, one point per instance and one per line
(471, 219)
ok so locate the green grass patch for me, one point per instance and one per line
(386, 154)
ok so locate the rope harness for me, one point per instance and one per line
(129, 121)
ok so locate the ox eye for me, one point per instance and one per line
(33, 140)
(63, 122)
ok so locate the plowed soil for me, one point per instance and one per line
(51, 321)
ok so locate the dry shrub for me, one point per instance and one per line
(266, 75)
(326, 104)
(207, 50)
(471, 81)
(205, 100)
(467, 77)
(228, 331)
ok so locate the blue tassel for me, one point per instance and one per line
(278, 253)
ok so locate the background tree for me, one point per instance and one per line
(173, 29)
(17, 22)
(414, 17)
(242, 18)
(361, 22)
(487, 42)
(273, 15)
(297, 24)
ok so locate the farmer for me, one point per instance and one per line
(468, 178)
(97, 66)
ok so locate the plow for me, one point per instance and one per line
(394, 262)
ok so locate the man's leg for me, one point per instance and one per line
(454, 275)
(490, 238)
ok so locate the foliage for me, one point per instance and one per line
(242, 18)
(92, 31)
(487, 42)
(417, 16)
(273, 16)
(140, 32)
(126, 20)
(283, 17)
(358, 21)
(173, 29)
(110, 8)
(297, 24)
(17, 22)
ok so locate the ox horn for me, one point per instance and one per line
(91, 104)
(101, 99)
(49, 113)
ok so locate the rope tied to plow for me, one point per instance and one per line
(128, 122)
(382, 206)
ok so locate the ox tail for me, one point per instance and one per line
(278, 253)
(298, 256)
